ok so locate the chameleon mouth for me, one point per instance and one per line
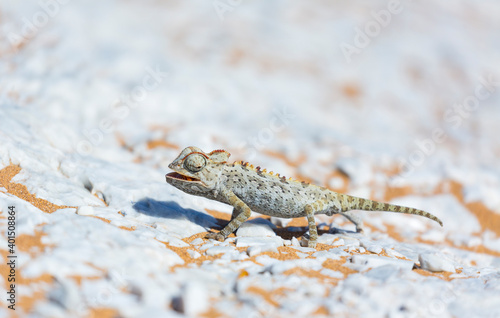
(178, 176)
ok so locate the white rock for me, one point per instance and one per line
(194, 299)
(349, 241)
(287, 242)
(392, 253)
(219, 250)
(194, 254)
(370, 247)
(174, 241)
(435, 262)
(295, 242)
(363, 262)
(280, 221)
(257, 249)
(208, 245)
(197, 241)
(307, 263)
(256, 228)
(304, 249)
(339, 242)
(254, 250)
(85, 210)
(327, 238)
(251, 241)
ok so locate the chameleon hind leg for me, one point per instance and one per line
(355, 219)
(310, 209)
(241, 213)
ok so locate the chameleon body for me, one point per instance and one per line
(249, 188)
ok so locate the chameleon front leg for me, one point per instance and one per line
(235, 213)
(241, 213)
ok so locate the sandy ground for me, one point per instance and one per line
(393, 103)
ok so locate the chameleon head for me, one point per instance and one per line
(197, 171)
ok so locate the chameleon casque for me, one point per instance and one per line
(253, 189)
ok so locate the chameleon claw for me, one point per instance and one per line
(215, 236)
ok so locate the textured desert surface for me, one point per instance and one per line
(396, 101)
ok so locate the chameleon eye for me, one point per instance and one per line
(195, 162)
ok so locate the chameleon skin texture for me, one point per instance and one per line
(248, 188)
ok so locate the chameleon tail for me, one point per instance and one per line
(354, 203)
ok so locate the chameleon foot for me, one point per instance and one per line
(215, 236)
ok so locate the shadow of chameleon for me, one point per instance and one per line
(172, 210)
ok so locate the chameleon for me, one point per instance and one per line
(247, 188)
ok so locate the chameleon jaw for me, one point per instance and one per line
(180, 177)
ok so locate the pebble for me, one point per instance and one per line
(85, 210)
(219, 250)
(171, 240)
(435, 262)
(257, 249)
(363, 262)
(250, 241)
(197, 241)
(194, 299)
(370, 247)
(194, 254)
(256, 228)
(327, 239)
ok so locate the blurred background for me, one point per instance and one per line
(363, 78)
(380, 99)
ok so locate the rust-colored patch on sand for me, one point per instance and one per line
(211, 313)
(338, 265)
(269, 295)
(489, 220)
(161, 143)
(302, 158)
(351, 90)
(31, 243)
(20, 191)
(104, 313)
(441, 275)
(27, 302)
(337, 174)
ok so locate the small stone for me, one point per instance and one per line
(295, 242)
(254, 250)
(256, 228)
(197, 241)
(327, 238)
(257, 249)
(266, 241)
(370, 247)
(85, 210)
(339, 242)
(282, 222)
(435, 262)
(219, 250)
(194, 254)
(194, 299)
(364, 261)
